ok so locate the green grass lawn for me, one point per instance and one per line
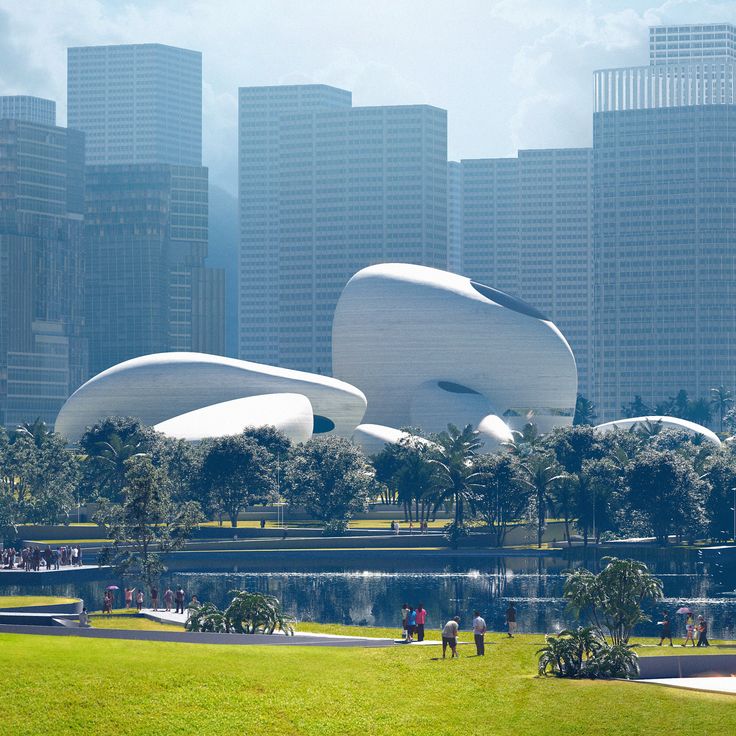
(132, 687)
(21, 601)
(134, 623)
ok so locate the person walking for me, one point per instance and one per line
(421, 620)
(404, 616)
(411, 625)
(703, 632)
(129, 597)
(511, 620)
(139, 600)
(449, 636)
(180, 600)
(479, 632)
(666, 630)
(154, 598)
(689, 630)
(168, 599)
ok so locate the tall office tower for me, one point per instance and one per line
(326, 189)
(43, 354)
(28, 108)
(665, 220)
(146, 224)
(455, 216)
(137, 103)
(527, 229)
(147, 288)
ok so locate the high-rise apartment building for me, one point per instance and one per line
(146, 225)
(137, 103)
(665, 221)
(326, 189)
(43, 354)
(527, 230)
(455, 216)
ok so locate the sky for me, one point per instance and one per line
(511, 73)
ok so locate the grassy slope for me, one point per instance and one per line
(183, 689)
(19, 601)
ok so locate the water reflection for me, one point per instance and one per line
(374, 597)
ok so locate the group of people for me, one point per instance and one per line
(171, 598)
(413, 621)
(423, 527)
(695, 630)
(31, 558)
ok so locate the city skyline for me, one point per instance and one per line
(501, 64)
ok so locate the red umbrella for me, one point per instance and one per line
(684, 609)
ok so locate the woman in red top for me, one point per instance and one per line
(421, 620)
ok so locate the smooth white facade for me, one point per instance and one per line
(159, 387)
(429, 348)
(289, 413)
(667, 423)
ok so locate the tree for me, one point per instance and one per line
(247, 613)
(526, 442)
(721, 477)
(721, 399)
(584, 411)
(331, 479)
(453, 460)
(540, 475)
(668, 493)
(147, 524)
(636, 408)
(613, 599)
(500, 496)
(237, 472)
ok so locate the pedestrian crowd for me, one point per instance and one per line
(33, 558)
(413, 621)
(696, 630)
(171, 599)
(422, 526)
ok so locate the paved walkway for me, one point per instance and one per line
(725, 685)
(44, 571)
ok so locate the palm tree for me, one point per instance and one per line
(110, 458)
(721, 400)
(540, 475)
(584, 411)
(526, 441)
(37, 430)
(455, 474)
(637, 408)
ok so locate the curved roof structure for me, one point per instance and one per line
(290, 413)
(667, 423)
(159, 387)
(430, 347)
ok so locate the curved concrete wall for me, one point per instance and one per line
(409, 334)
(667, 423)
(155, 388)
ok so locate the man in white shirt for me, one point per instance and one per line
(479, 631)
(449, 636)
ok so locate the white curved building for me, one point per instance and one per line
(160, 387)
(666, 422)
(428, 347)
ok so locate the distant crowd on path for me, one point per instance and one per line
(171, 599)
(694, 630)
(31, 559)
(413, 621)
(423, 527)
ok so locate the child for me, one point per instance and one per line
(689, 630)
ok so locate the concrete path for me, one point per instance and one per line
(44, 571)
(725, 685)
(169, 617)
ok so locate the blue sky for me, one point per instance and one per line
(511, 73)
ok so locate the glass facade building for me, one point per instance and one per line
(28, 108)
(665, 225)
(148, 290)
(326, 189)
(136, 103)
(527, 230)
(43, 351)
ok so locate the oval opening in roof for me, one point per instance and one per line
(456, 388)
(508, 301)
(322, 424)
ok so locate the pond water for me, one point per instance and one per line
(701, 580)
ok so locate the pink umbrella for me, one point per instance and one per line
(683, 610)
(112, 587)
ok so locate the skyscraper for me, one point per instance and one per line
(43, 352)
(326, 189)
(137, 103)
(664, 141)
(146, 224)
(527, 229)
